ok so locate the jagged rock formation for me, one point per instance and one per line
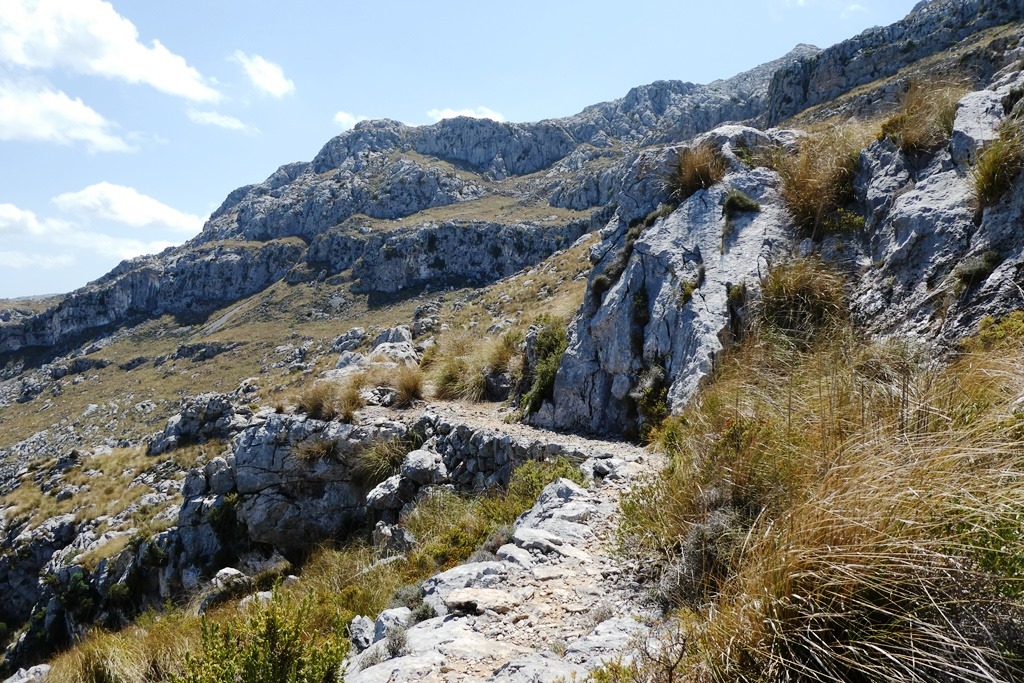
(882, 51)
(923, 229)
(386, 170)
(387, 207)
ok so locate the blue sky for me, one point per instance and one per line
(124, 124)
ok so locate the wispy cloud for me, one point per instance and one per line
(265, 75)
(33, 113)
(54, 232)
(213, 118)
(20, 260)
(90, 37)
(844, 8)
(852, 10)
(120, 204)
(478, 113)
(347, 120)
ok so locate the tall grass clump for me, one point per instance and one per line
(318, 401)
(695, 168)
(462, 364)
(802, 300)
(998, 165)
(924, 121)
(842, 512)
(817, 181)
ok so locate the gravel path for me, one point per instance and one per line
(557, 602)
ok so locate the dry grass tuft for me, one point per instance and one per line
(998, 165)
(924, 121)
(695, 168)
(408, 382)
(319, 401)
(817, 181)
(803, 300)
(846, 513)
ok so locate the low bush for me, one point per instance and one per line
(270, 643)
(975, 269)
(695, 168)
(998, 165)
(1005, 333)
(552, 340)
(924, 121)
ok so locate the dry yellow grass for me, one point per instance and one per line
(846, 513)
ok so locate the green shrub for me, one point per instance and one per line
(1004, 333)
(601, 284)
(695, 168)
(269, 644)
(651, 397)
(737, 202)
(998, 165)
(551, 343)
(975, 269)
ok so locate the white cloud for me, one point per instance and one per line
(50, 232)
(44, 114)
(347, 120)
(478, 113)
(212, 118)
(120, 204)
(20, 260)
(90, 37)
(851, 10)
(264, 74)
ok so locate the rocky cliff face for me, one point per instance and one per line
(387, 171)
(387, 208)
(928, 265)
(882, 51)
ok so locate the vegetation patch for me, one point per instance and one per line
(1006, 333)
(552, 340)
(803, 300)
(301, 635)
(976, 269)
(924, 121)
(817, 181)
(998, 165)
(788, 533)
(695, 168)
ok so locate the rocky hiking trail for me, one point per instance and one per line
(557, 602)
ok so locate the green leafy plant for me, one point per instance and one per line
(551, 343)
(270, 643)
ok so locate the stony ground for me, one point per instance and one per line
(557, 601)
